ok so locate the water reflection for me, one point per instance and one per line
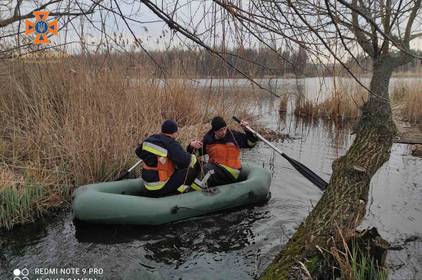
(175, 243)
(23, 236)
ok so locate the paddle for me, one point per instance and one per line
(129, 170)
(305, 171)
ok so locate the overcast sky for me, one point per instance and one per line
(148, 28)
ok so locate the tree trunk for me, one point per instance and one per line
(343, 204)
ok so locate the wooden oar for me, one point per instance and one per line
(305, 171)
(129, 170)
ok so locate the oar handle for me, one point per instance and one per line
(133, 167)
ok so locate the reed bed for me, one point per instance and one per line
(345, 101)
(341, 105)
(284, 100)
(21, 200)
(73, 122)
(408, 99)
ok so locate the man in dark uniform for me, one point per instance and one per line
(223, 148)
(168, 169)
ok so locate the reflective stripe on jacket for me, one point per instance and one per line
(165, 167)
(162, 155)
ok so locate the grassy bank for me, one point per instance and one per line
(74, 122)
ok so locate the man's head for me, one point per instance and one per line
(169, 127)
(219, 127)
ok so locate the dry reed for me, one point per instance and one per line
(73, 122)
(408, 98)
(346, 100)
(342, 105)
(284, 100)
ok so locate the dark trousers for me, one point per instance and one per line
(180, 177)
(220, 177)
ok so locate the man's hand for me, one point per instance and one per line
(244, 123)
(196, 144)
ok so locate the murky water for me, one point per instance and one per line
(234, 244)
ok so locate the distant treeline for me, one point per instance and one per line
(257, 63)
(364, 64)
(253, 62)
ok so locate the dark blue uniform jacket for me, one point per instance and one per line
(176, 154)
(238, 138)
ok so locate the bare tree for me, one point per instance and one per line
(384, 31)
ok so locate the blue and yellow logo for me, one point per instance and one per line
(41, 27)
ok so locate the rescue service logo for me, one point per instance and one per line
(20, 274)
(41, 28)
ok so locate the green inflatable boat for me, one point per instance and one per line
(121, 202)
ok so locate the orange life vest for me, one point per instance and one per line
(165, 167)
(227, 154)
(164, 170)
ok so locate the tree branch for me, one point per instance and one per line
(360, 36)
(16, 17)
(414, 36)
(396, 43)
(341, 36)
(406, 39)
(334, 55)
(175, 26)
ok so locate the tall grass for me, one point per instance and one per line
(361, 257)
(345, 101)
(355, 264)
(20, 200)
(408, 97)
(74, 122)
(341, 105)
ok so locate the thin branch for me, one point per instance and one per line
(334, 55)
(330, 13)
(16, 17)
(175, 26)
(386, 36)
(162, 70)
(361, 38)
(409, 25)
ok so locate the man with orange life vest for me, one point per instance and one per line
(168, 169)
(223, 148)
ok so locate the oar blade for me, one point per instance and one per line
(308, 173)
(305, 171)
